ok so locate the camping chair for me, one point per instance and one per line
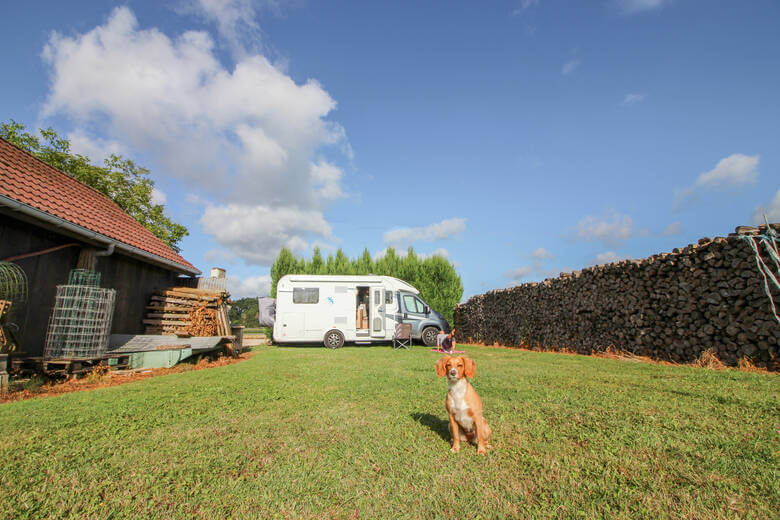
(403, 336)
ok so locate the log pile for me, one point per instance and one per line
(671, 306)
(185, 311)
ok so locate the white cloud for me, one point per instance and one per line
(735, 170)
(541, 254)
(256, 233)
(327, 178)
(771, 210)
(632, 99)
(249, 287)
(673, 229)
(569, 67)
(242, 135)
(524, 4)
(436, 231)
(195, 200)
(95, 148)
(610, 228)
(158, 197)
(639, 6)
(520, 272)
(219, 256)
(324, 247)
(235, 20)
(442, 252)
(608, 257)
(382, 252)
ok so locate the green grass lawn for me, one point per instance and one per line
(362, 432)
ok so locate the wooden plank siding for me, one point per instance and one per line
(134, 280)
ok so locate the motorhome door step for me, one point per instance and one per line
(362, 343)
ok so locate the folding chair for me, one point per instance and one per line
(403, 336)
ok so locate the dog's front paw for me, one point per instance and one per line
(481, 450)
(455, 449)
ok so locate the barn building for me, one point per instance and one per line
(50, 223)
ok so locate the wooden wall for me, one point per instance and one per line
(133, 280)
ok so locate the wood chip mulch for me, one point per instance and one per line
(104, 379)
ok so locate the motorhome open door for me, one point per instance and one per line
(377, 312)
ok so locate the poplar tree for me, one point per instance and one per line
(435, 277)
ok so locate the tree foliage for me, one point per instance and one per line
(123, 181)
(435, 277)
(245, 312)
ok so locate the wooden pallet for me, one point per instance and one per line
(68, 366)
(71, 366)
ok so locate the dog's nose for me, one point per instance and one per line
(454, 372)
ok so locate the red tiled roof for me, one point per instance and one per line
(31, 181)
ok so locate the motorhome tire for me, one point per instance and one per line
(334, 339)
(429, 336)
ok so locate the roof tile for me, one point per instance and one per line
(31, 181)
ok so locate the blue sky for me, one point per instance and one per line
(517, 138)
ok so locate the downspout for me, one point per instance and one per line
(107, 252)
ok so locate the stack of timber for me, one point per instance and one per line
(185, 311)
(709, 296)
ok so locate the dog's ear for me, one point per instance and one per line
(440, 366)
(470, 367)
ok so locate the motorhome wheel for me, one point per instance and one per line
(334, 339)
(429, 336)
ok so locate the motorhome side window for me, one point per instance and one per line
(412, 304)
(389, 297)
(306, 295)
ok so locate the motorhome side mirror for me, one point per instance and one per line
(427, 310)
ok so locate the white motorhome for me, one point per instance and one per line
(333, 309)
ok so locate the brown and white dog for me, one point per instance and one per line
(463, 404)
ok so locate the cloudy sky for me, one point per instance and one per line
(516, 138)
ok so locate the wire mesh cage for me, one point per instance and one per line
(84, 277)
(80, 323)
(13, 283)
(13, 295)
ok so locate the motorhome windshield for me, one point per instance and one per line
(413, 303)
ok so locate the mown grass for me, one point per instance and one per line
(362, 432)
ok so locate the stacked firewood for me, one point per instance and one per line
(185, 311)
(708, 296)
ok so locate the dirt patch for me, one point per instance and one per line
(102, 378)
